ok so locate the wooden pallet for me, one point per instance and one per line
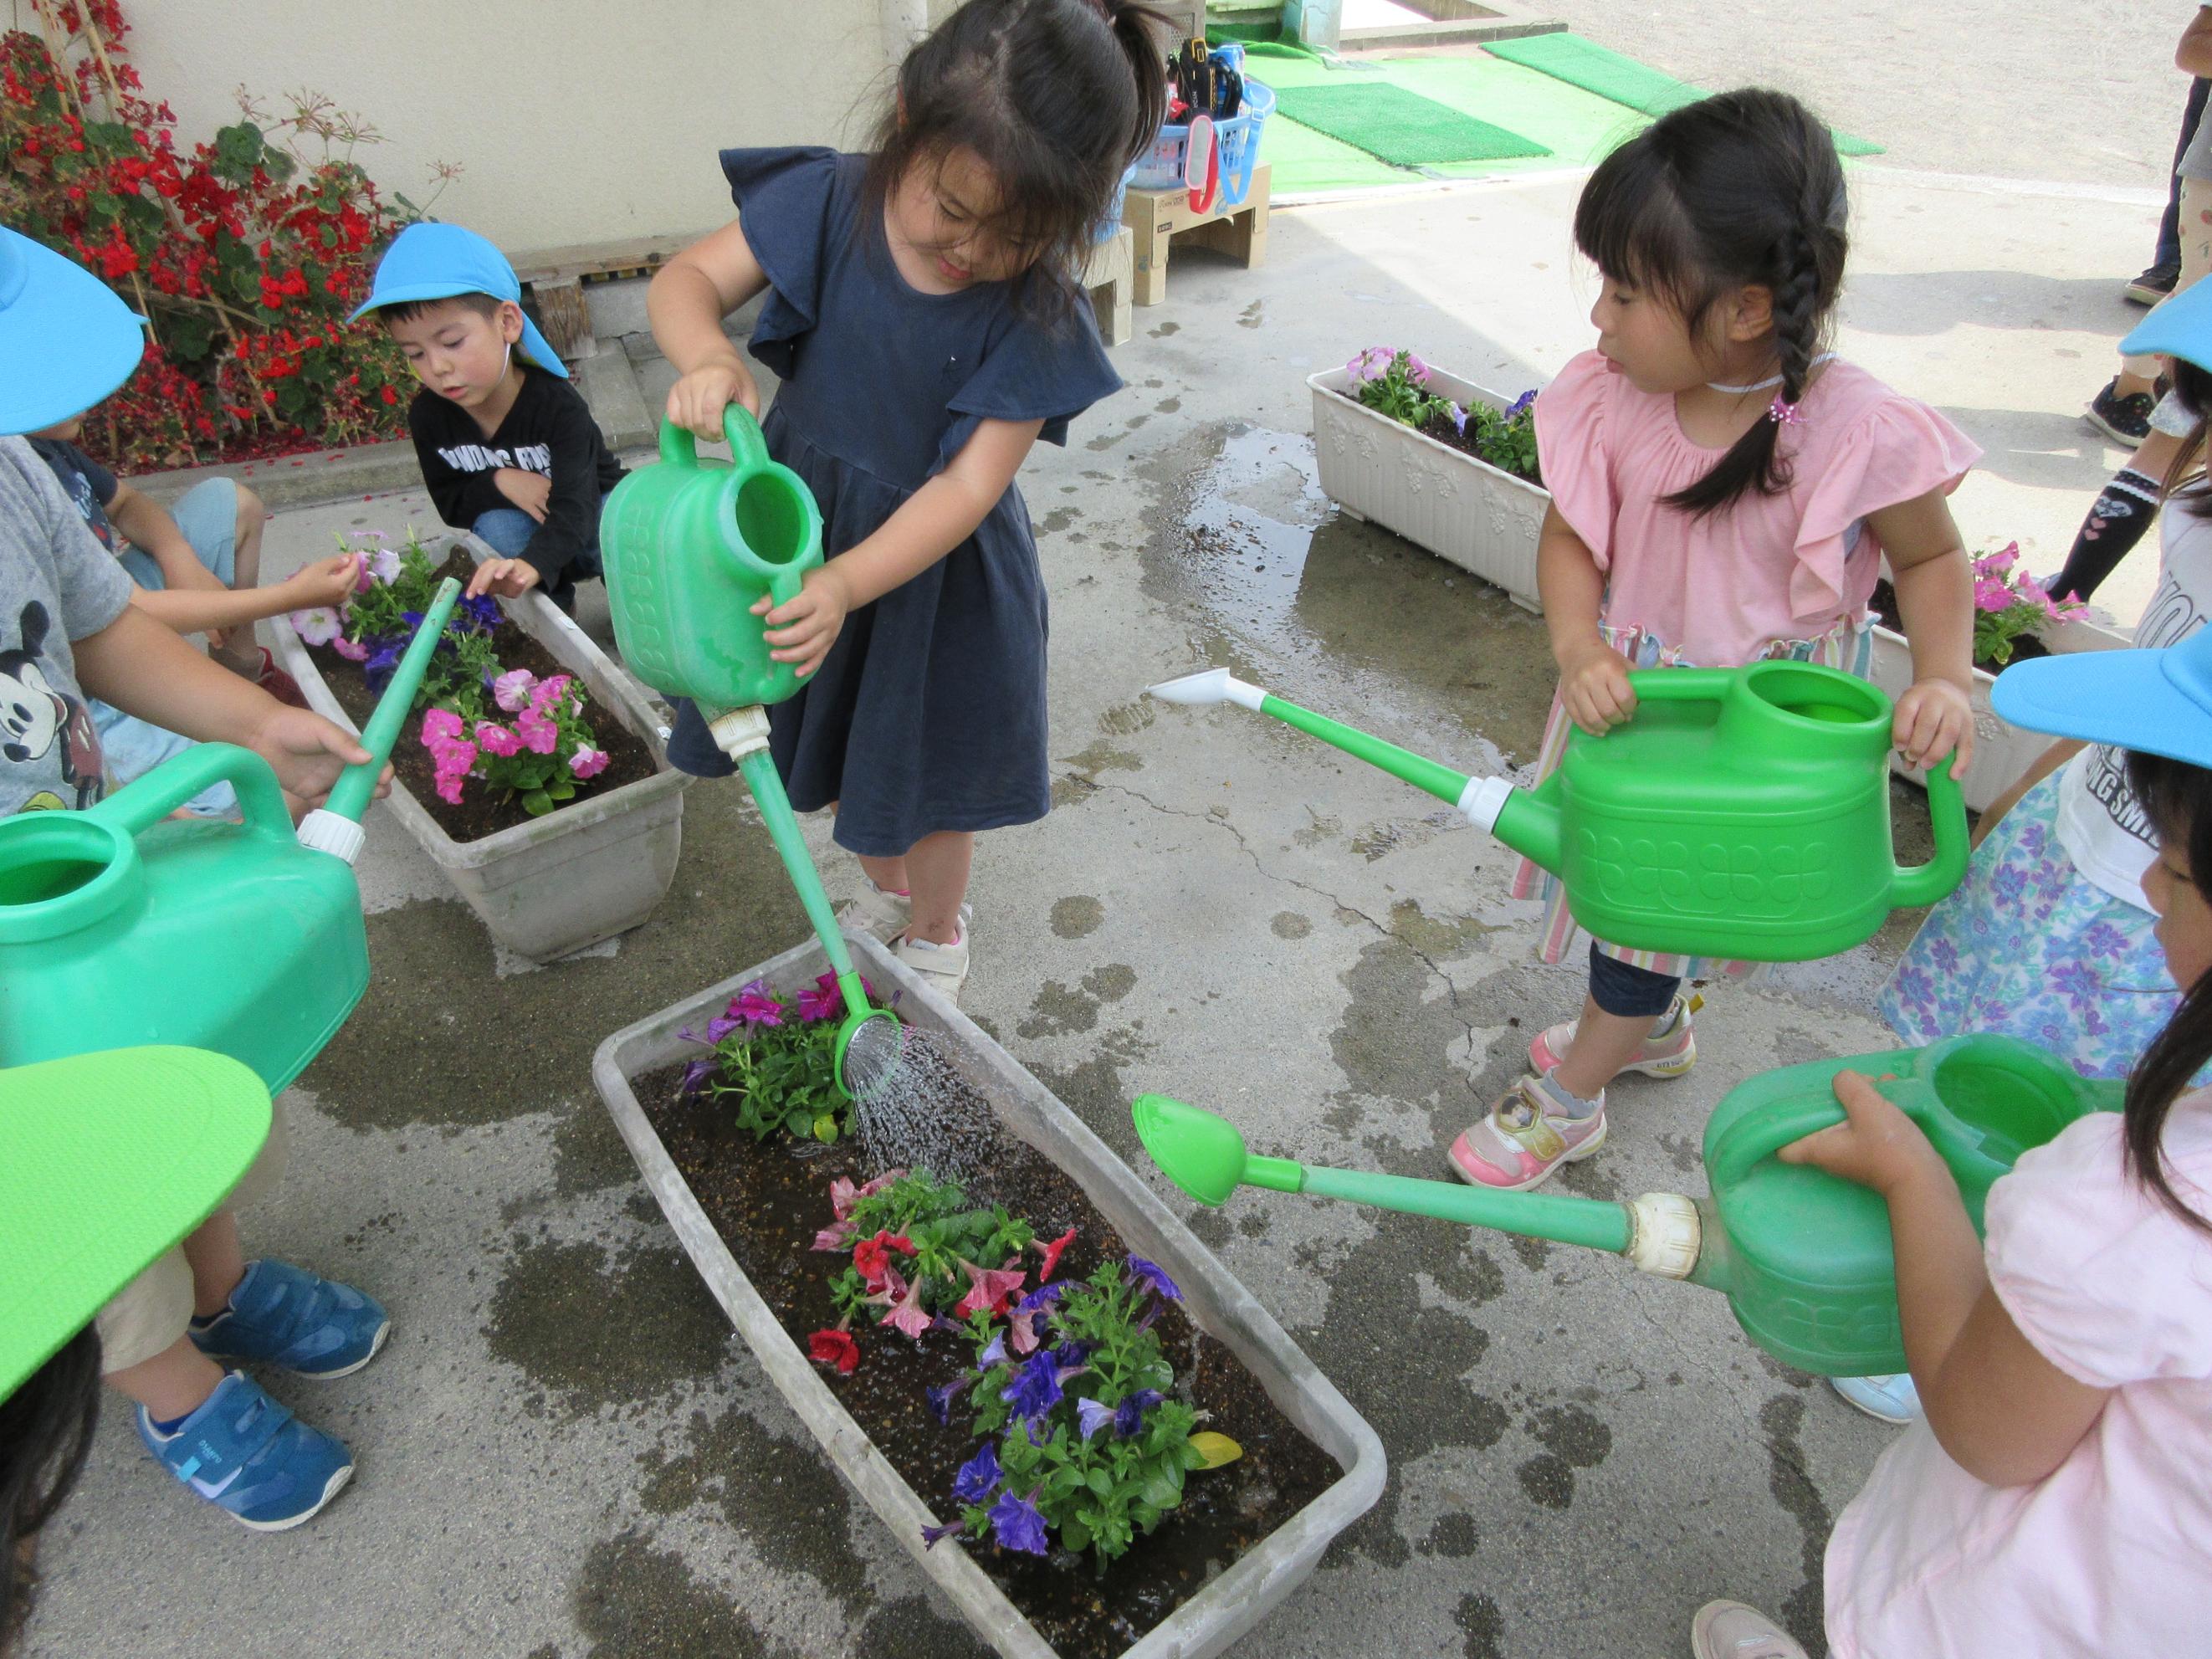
(1110, 279)
(1159, 218)
(556, 278)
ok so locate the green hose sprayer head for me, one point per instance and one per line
(1742, 812)
(335, 826)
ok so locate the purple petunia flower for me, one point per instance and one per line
(979, 1476)
(1458, 418)
(931, 1534)
(995, 1353)
(1072, 1356)
(1521, 403)
(1018, 1523)
(720, 1027)
(1151, 1273)
(1090, 1417)
(1129, 1416)
(756, 1005)
(1035, 1389)
(940, 1399)
(695, 1075)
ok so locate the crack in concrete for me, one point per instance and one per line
(1451, 990)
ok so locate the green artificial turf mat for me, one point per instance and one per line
(1399, 126)
(1583, 63)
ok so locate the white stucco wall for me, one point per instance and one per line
(576, 121)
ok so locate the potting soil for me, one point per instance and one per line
(767, 1200)
(481, 811)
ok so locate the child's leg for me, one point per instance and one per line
(936, 869)
(172, 1385)
(217, 1262)
(241, 652)
(145, 1352)
(1623, 1001)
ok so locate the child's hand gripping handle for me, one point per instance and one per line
(748, 448)
(1759, 1136)
(335, 826)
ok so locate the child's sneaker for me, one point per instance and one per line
(1891, 1399)
(943, 968)
(1528, 1135)
(1729, 1630)
(1670, 1049)
(2125, 420)
(250, 1457)
(284, 1315)
(888, 914)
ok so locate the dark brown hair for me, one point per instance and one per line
(1056, 97)
(1739, 188)
(406, 311)
(2178, 799)
(2185, 481)
(46, 1430)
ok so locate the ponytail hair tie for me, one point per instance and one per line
(1782, 412)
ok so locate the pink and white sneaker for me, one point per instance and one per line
(1670, 1054)
(1524, 1138)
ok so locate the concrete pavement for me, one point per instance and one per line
(565, 1453)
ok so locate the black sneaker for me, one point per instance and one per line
(2125, 421)
(2153, 285)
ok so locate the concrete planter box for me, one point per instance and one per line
(1239, 1597)
(585, 871)
(2001, 750)
(1483, 520)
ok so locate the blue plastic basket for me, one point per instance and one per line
(1238, 139)
(1109, 227)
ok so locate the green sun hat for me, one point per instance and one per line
(106, 1161)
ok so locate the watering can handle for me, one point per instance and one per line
(748, 449)
(1681, 684)
(1924, 883)
(1751, 1139)
(162, 791)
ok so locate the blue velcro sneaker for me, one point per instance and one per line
(250, 1457)
(284, 1315)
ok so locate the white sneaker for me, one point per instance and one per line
(888, 914)
(1729, 1630)
(1886, 1398)
(943, 968)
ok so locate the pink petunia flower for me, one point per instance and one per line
(539, 734)
(383, 564)
(587, 761)
(511, 690)
(989, 1290)
(440, 723)
(351, 650)
(317, 626)
(548, 691)
(497, 739)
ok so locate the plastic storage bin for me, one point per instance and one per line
(1238, 138)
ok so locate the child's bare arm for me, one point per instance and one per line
(2003, 1413)
(936, 519)
(686, 304)
(1593, 679)
(198, 611)
(146, 524)
(145, 668)
(1935, 602)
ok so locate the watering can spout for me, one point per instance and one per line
(335, 826)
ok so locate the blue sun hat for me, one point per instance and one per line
(437, 261)
(2179, 327)
(65, 340)
(2159, 702)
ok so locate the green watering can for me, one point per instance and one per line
(121, 927)
(689, 547)
(1742, 812)
(1803, 1257)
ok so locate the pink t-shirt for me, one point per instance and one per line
(1721, 589)
(2112, 1552)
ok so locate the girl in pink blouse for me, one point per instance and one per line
(2055, 1503)
(1723, 491)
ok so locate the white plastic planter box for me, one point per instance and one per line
(2001, 750)
(1252, 1586)
(1480, 518)
(585, 871)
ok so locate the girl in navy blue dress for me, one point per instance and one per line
(923, 319)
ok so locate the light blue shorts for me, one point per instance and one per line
(208, 514)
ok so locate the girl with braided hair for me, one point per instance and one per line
(1724, 491)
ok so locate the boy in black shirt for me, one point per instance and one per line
(508, 448)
